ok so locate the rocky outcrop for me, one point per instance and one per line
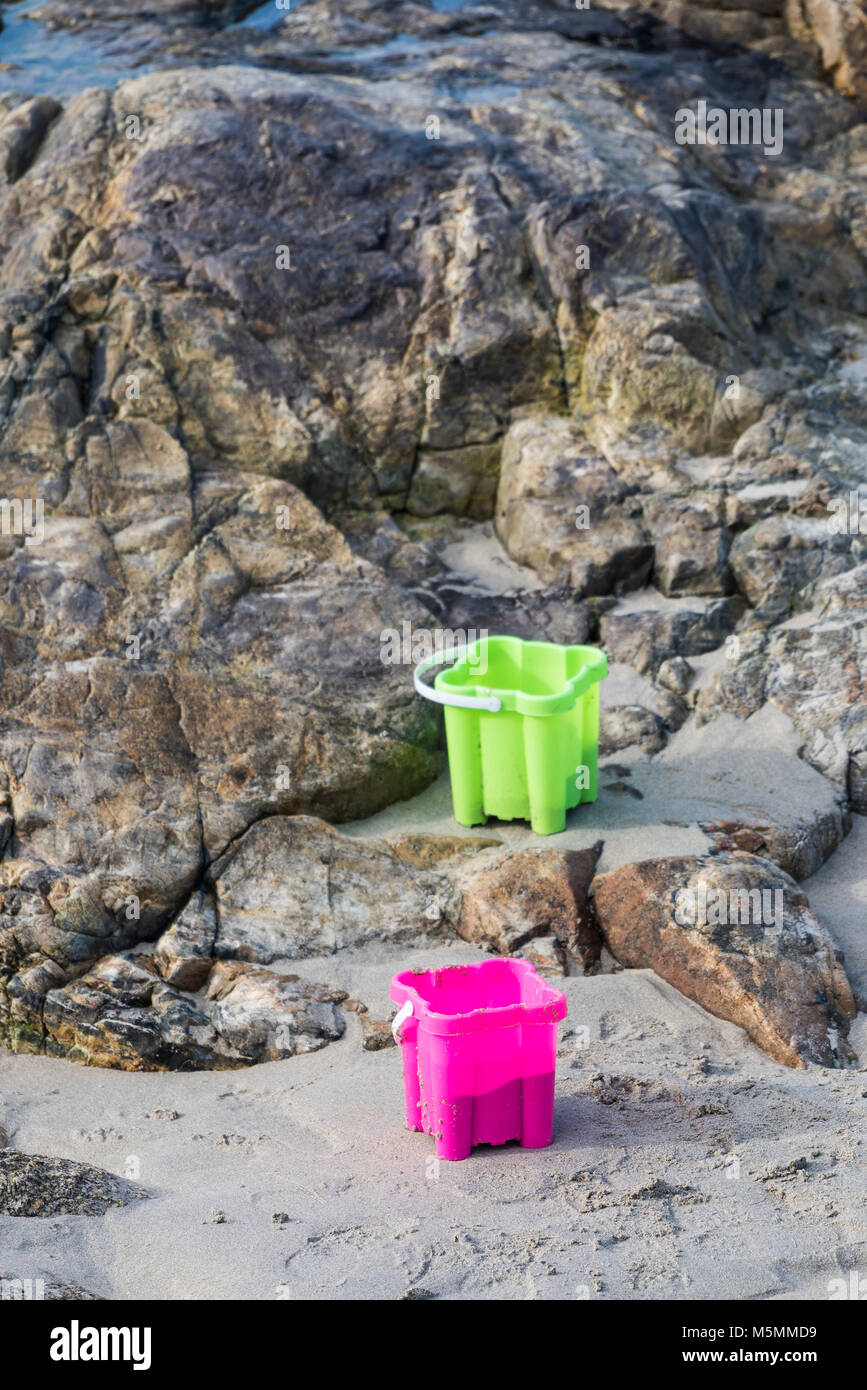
(647, 638)
(736, 934)
(201, 720)
(291, 888)
(277, 327)
(817, 674)
(121, 1014)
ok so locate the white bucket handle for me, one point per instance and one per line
(400, 1017)
(441, 697)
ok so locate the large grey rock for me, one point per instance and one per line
(293, 887)
(126, 772)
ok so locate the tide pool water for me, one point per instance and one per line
(52, 60)
(62, 63)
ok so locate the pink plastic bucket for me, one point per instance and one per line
(479, 1047)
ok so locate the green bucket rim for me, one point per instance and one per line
(457, 678)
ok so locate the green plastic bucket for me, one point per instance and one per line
(522, 728)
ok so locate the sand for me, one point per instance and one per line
(685, 1164)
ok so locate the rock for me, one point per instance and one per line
(508, 900)
(293, 887)
(648, 638)
(262, 1015)
(190, 755)
(691, 544)
(410, 559)
(120, 1014)
(462, 482)
(675, 674)
(22, 132)
(376, 1033)
(354, 1006)
(856, 781)
(144, 734)
(798, 849)
(778, 559)
(621, 788)
(547, 955)
(550, 473)
(730, 835)
(752, 952)
(32, 1185)
(252, 736)
(672, 709)
(184, 954)
(25, 993)
(816, 674)
(628, 726)
(659, 354)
